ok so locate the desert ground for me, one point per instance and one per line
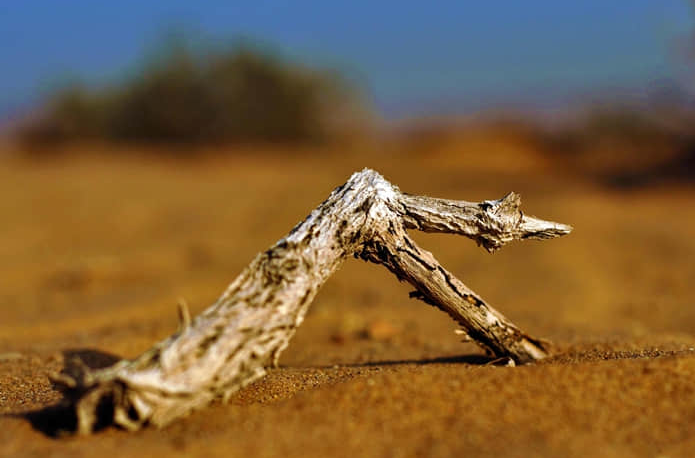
(98, 245)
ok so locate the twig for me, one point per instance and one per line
(232, 343)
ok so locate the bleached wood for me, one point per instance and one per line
(231, 344)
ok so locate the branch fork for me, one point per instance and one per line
(233, 342)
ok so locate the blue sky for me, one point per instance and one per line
(413, 57)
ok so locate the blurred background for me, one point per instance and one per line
(150, 149)
(607, 89)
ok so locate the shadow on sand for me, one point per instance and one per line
(59, 419)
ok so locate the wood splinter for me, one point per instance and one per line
(234, 341)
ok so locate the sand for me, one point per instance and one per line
(95, 251)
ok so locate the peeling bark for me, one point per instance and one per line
(232, 343)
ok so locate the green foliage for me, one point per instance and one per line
(184, 97)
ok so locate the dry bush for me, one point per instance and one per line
(235, 95)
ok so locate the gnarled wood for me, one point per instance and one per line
(232, 343)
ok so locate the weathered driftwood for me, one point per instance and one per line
(232, 343)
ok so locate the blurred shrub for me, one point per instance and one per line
(184, 97)
(626, 146)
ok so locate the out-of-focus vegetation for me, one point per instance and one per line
(242, 94)
(619, 144)
(625, 146)
(197, 96)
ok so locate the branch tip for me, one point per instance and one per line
(184, 315)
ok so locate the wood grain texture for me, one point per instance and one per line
(234, 341)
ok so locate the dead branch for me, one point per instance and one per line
(231, 344)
